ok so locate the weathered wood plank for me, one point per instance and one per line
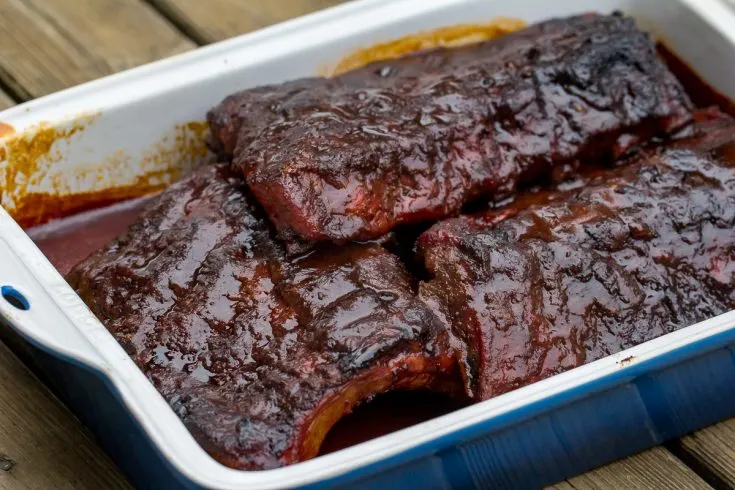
(5, 101)
(41, 444)
(215, 20)
(48, 45)
(656, 468)
(711, 452)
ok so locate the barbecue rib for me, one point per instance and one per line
(414, 139)
(536, 289)
(259, 356)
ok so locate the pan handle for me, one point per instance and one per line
(37, 302)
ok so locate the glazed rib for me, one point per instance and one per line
(259, 356)
(564, 278)
(414, 139)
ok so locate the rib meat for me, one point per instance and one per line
(414, 139)
(258, 355)
(564, 278)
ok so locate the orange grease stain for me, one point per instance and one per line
(27, 158)
(6, 129)
(453, 36)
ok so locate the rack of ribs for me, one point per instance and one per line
(414, 139)
(258, 355)
(260, 350)
(567, 277)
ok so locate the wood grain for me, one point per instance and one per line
(41, 444)
(712, 452)
(656, 468)
(48, 45)
(5, 101)
(215, 20)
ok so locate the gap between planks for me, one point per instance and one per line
(49, 45)
(215, 20)
(655, 468)
(5, 101)
(711, 452)
(41, 444)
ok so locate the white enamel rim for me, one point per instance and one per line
(79, 335)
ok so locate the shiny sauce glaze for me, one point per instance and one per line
(414, 139)
(69, 240)
(257, 353)
(637, 252)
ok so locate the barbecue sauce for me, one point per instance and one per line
(68, 240)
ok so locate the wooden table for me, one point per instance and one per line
(47, 45)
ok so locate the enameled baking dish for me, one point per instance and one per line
(136, 129)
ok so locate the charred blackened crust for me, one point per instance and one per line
(414, 139)
(257, 353)
(639, 251)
